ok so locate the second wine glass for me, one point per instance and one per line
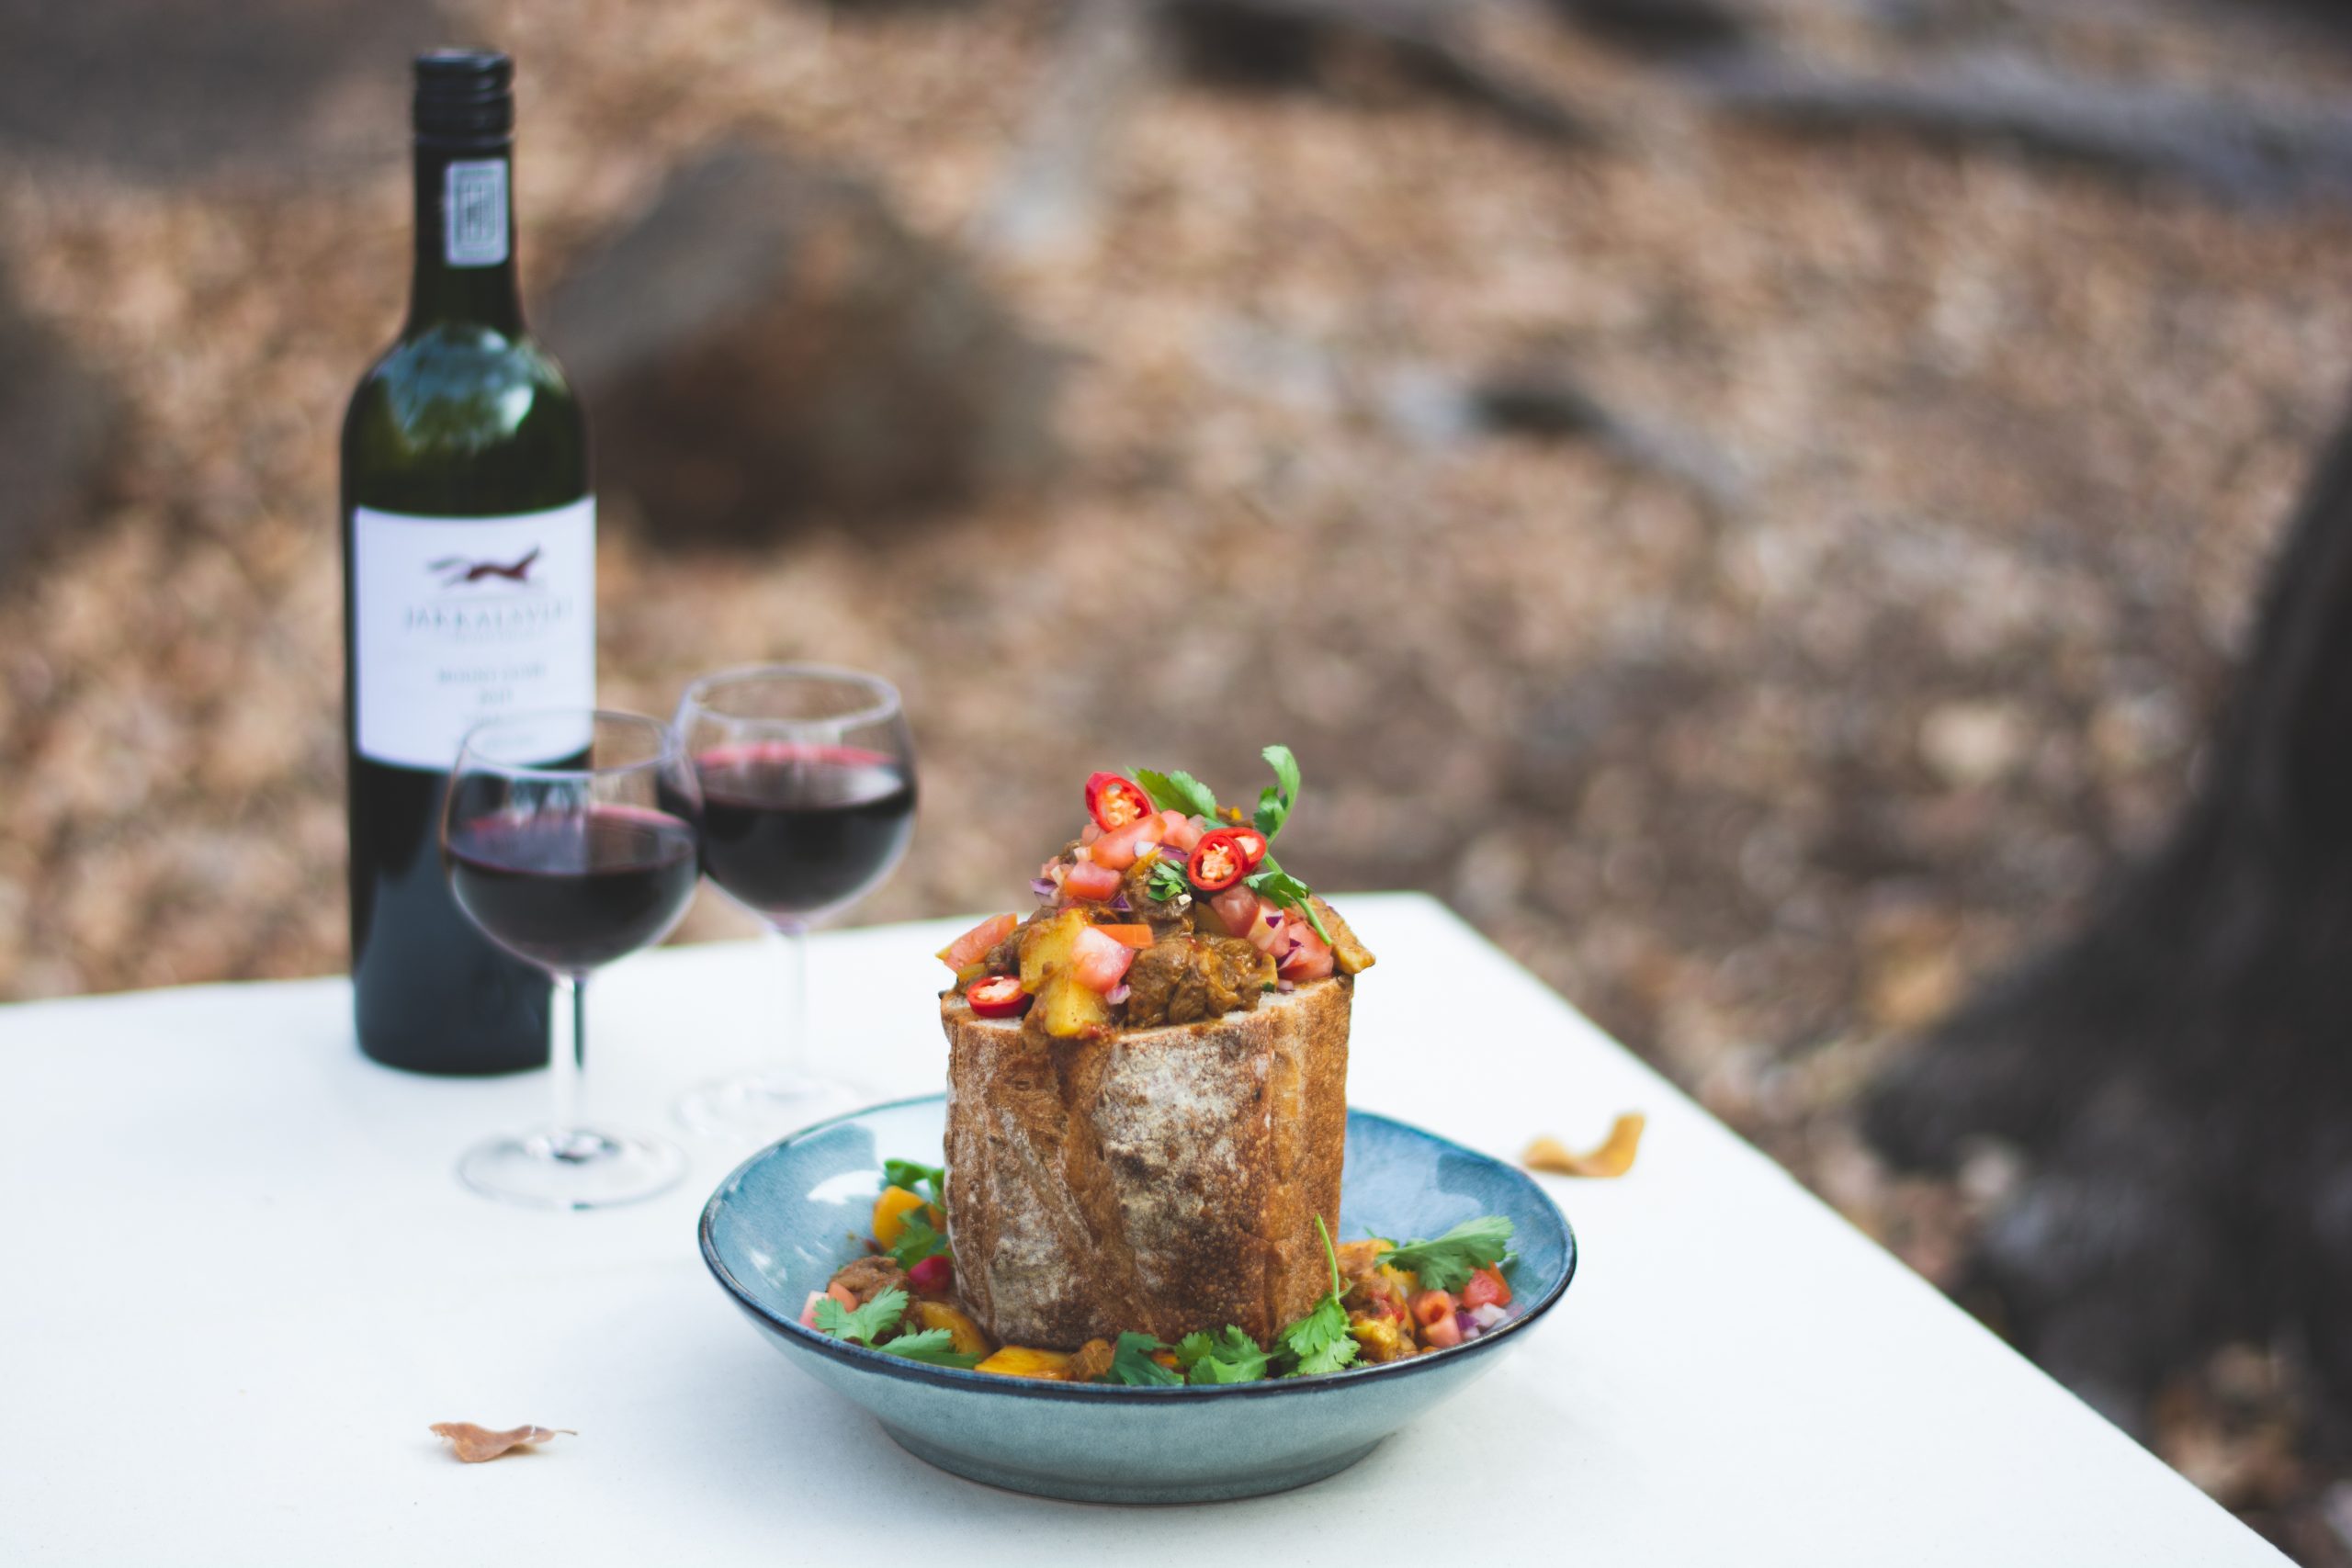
(567, 837)
(808, 778)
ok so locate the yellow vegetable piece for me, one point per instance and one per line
(1047, 946)
(1381, 1337)
(890, 1212)
(964, 1336)
(1018, 1362)
(1614, 1158)
(1069, 1010)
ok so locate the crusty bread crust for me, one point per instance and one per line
(1159, 1181)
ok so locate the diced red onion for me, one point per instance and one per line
(1273, 919)
(1285, 985)
(1467, 1323)
(1043, 886)
(1121, 904)
(1489, 1315)
(1119, 993)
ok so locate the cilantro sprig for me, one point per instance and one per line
(872, 1324)
(1178, 791)
(917, 1239)
(1321, 1342)
(934, 1348)
(1132, 1363)
(1228, 1357)
(1167, 880)
(1447, 1263)
(1275, 800)
(864, 1326)
(1284, 891)
(930, 1180)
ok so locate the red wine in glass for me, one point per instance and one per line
(573, 893)
(795, 830)
(805, 779)
(567, 838)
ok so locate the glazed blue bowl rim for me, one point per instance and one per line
(860, 1358)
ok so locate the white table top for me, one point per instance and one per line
(240, 1281)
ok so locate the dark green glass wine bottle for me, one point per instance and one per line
(468, 536)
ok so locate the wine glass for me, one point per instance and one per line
(807, 781)
(568, 839)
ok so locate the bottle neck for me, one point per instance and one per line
(465, 238)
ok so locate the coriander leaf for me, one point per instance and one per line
(1276, 799)
(1177, 791)
(866, 1324)
(1270, 811)
(1446, 1263)
(1167, 880)
(1336, 1356)
(927, 1179)
(1321, 1342)
(1230, 1356)
(918, 1240)
(934, 1348)
(1286, 768)
(1131, 1364)
(1285, 891)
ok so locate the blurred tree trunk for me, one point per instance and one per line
(2179, 1073)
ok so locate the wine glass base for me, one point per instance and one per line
(583, 1169)
(762, 1107)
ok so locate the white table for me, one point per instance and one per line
(238, 1281)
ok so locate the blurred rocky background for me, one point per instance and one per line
(1756, 502)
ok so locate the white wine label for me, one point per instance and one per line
(473, 213)
(456, 620)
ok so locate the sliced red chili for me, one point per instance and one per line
(1217, 862)
(999, 995)
(1253, 845)
(1114, 802)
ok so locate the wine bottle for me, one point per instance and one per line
(468, 536)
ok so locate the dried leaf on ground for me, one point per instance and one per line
(1614, 1158)
(476, 1444)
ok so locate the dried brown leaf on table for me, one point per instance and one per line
(475, 1444)
(1614, 1158)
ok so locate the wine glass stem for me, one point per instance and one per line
(566, 1050)
(793, 1018)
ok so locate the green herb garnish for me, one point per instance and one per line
(1178, 791)
(933, 1347)
(1131, 1364)
(1228, 1357)
(928, 1180)
(1285, 891)
(1275, 800)
(1167, 880)
(1319, 1342)
(869, 1325)
(918, 1240)
(1447, 1263)
(863, 1325)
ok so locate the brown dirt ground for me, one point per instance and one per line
(1760, 783)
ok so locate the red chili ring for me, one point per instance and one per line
(1238, 862)
(1103, 792)
(999, 996)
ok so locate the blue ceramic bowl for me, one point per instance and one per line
(778, 1227)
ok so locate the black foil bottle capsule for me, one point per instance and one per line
(469, 540)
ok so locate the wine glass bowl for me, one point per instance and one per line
(568, 837)
(807, 791)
